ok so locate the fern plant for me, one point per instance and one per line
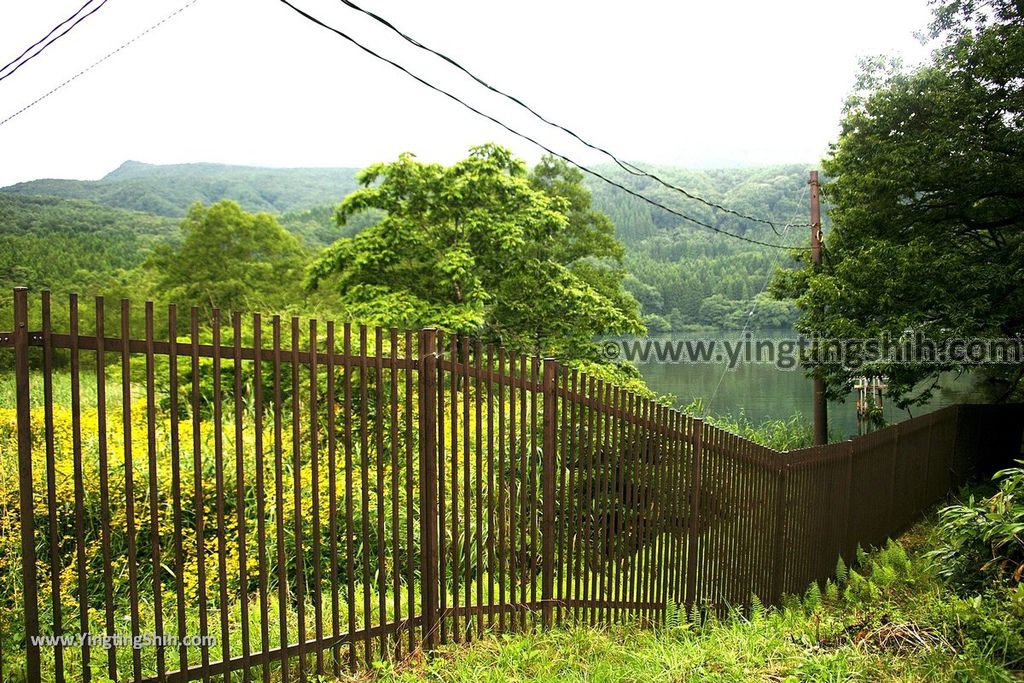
(812, 597)
(675, 615)
(842, 573)
(757, 608)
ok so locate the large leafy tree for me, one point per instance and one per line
(229, 259)
(485, 246)
(927, 200)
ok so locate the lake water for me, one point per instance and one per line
(764, 391)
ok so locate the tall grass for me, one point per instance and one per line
(781, 434)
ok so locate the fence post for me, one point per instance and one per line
(548, 483)
(27, 511)
(697, 434)
(845, 544)
(926, 497)
(429, 579)
(955, 473)
(779, 550)
(889, 521)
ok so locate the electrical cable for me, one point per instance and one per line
(22, 62)
(52, 31)
(596, 174)
(97, 62)
(624, 165)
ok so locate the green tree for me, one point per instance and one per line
(229, 259)
(927, 193)
(481, 246)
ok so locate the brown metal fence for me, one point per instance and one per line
(319, 497)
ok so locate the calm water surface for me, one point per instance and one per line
(763, 391)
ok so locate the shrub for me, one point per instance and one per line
(982, 541)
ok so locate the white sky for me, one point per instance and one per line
(708, 83)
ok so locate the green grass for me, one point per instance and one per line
(891, 619)
(780, 434)
(61, 387)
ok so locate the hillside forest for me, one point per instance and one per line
(119, 235)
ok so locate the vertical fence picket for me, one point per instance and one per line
(503, 490)
(693, 533)
(25, 500)
(442, 496)
(104, 476)
(548, 480)
(176, 503)
(604, 515)
(381, 458)
(364, 480)
(456, 539)
(261, 505)
(461, 488)
(525, 494)
(218, 468)
(332, 494)
(467, 484)
(588, 531)
(491, 555)
(479, 564)
(129, 487)
(350, 561)
(240, 460)
(396, 538)
(573, 462)
(56, 607)
(634, 455)
(561, 458)
(283, 609)
(615, 519)
(298, 538)
(428, 410)
(314, 495)
(410, 486)
(154, 493)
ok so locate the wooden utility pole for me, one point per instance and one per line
(820, 403)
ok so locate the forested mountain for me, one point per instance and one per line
(169, 190)
(687, 275)
(63, 244)
(682, 275)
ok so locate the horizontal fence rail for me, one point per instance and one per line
(268, 499)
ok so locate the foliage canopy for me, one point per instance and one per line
(926, 190)
(229, 259)
(484, 246)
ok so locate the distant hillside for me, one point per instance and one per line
(685, 275)
(168, 190)
(681, 274)
(48, 242)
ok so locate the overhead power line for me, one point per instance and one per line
(52, 31)
(22, 62)
(624, 165)
(524, 136)
(97, 62)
